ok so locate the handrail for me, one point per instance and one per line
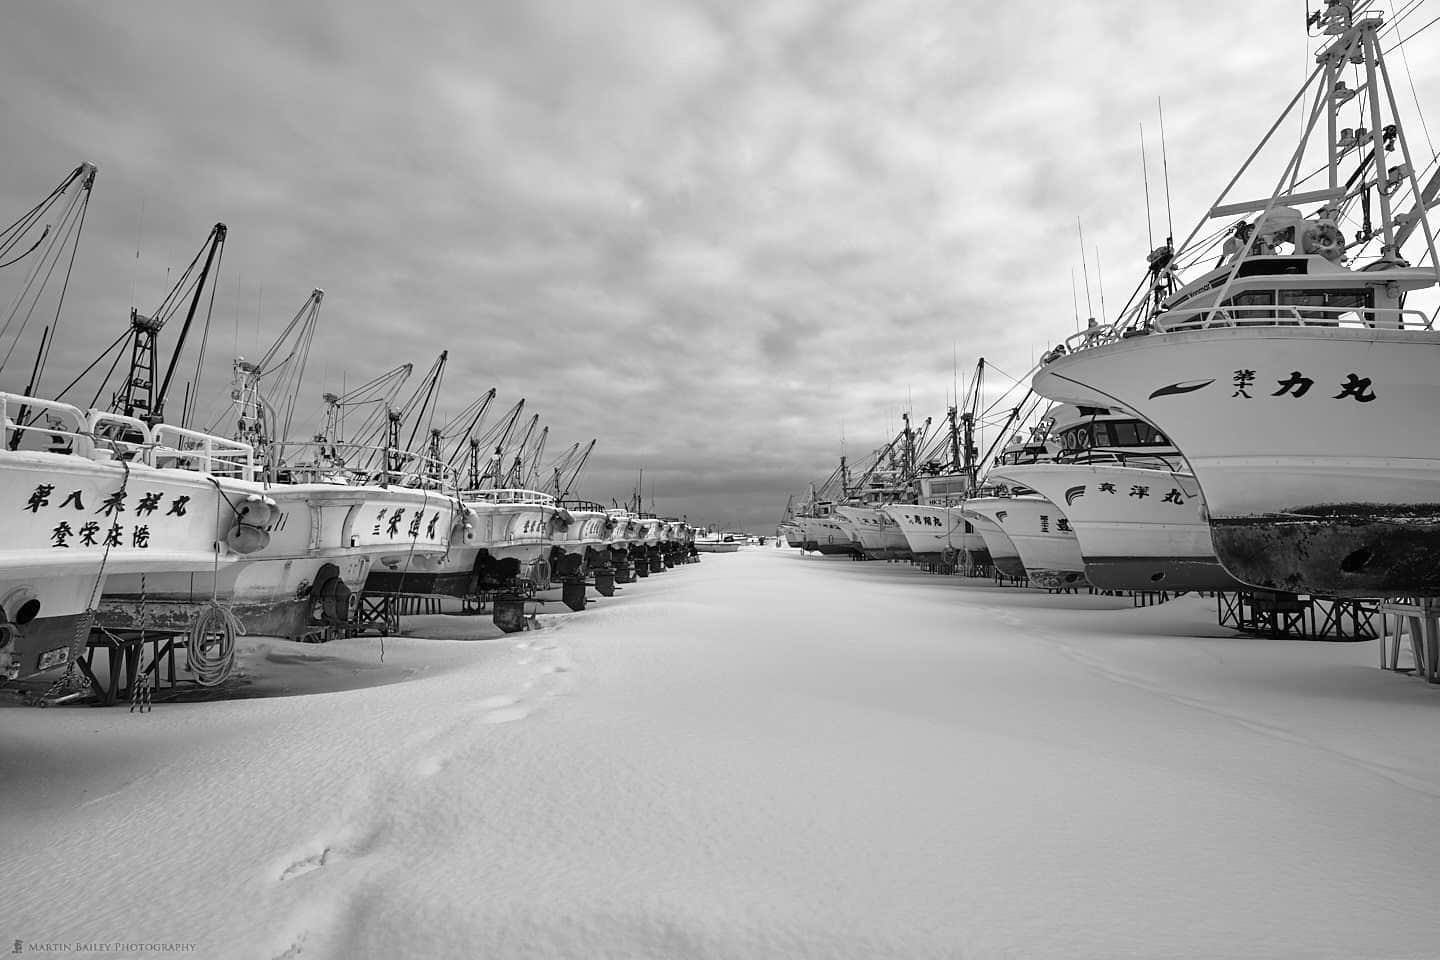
(586, 506)
(508, 495)
(100, 434)
(1247, 315)
(73, 424)
(1125, 458)
(333, 459)
(1286, 315)
(180, 447)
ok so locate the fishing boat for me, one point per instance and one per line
(933, 525)
(826, 531)
(1004, 555)
(1292, 374)
(1037, 530)
(95, 495)
(717, 542)
(1135, 509)
(316, 533)
(580, 538)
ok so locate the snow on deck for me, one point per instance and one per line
(765, 755)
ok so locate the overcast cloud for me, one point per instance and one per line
(707, 233)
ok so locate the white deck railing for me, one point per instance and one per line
(1264, 315)
(34, 423)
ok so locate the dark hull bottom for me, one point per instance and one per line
(279, 618)
(439, 584)
(890, 553)
(51, 638)
(1056, 579)
(1011, 567)
(979, 558)
(1333, 556)
(1159, 573)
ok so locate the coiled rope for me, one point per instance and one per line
(210, 654)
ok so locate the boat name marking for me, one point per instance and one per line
(390, 520)
(1296, 385)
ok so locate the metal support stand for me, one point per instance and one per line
(379, 612)
(1420, 617)
(509, 613)
(572, 593)
(605, 581)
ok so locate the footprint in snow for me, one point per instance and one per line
(505, 714)
(306, 865)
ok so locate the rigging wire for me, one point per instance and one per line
(1410, 77)
(187, 408)
(43, 356)
(1165, 165)
(1145, 176)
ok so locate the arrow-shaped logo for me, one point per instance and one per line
(1184, 386)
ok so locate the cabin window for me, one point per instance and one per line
(1265, 266)
(1252, 298)
(1335, 299)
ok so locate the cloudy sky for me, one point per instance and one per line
(712, 234)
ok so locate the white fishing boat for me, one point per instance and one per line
(1292, 375)
(936, 526)
(1004, 555)
(95, 495)
(717, 542)
(879, 536)
(1040, 532)
(580, 537)
(1036, 529)
(825, 531)
(332, 521)
(1135, 510)
(933, 525)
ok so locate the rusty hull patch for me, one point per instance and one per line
(1342, 550)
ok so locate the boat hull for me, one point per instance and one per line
(1137, 528)
(710, 546)
(880, 537)
(1292, 433)
(829, 536)
(322, 543)
(75, 520)
(1004, 555)
(931, 531)
(1042, 536)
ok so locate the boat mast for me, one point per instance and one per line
(138, 396)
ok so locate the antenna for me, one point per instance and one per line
(1100, 281)
(1145, 175)
(1085, 268)
(1074, 298)
(1165, 164)
(139, 239)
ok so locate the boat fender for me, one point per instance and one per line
(463, 530)
(561, 521)
(252, 516)
(609, 525)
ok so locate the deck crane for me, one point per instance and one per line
(138, 396)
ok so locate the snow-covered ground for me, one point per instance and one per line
(760, 756)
